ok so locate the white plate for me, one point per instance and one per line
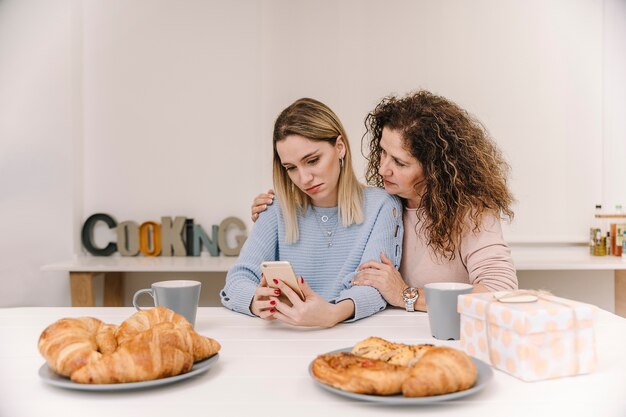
(484, 376)
(50, 377)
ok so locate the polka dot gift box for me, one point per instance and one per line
(529, 334)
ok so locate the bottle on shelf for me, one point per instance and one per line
(619, 238)
(595, 232)
(616, 226)
(624, 245)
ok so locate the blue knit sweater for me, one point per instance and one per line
(328, 270)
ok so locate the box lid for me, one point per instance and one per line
(546, 313)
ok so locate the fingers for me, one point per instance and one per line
(263, 197)
(385, 260)
(263, 302)
(262, 306)
(259, 204)
(371, 277)
(262, 200)
(304, 286)
(371, 265)
(256, 210)
(267, 315)
(263, 292)
(281, 311)
(284, 318)
(268, 309)
(288, 292)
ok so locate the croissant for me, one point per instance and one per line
(150, 344)
(393, 353)
(70, 343)
(386, 368)
(145, 319)
(441, 370)
(201, 347)
(159, 352)
(353, 373)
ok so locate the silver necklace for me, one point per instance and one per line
(322, 221)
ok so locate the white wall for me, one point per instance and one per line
(172, 103)
(147, 108)
(614, 104)
(37, 155)
(531, 71)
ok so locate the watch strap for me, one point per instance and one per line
(409, 302)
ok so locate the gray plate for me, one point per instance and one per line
(484, 376)
(50, 377)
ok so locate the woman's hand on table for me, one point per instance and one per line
(260, 203)
(262, 306)
(314, 311)
(384, 277)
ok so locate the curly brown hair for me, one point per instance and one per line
(465, 172)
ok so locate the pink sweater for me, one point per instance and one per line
(482, 257)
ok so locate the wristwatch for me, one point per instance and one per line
(410, 296)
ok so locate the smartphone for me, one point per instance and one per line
(281, 270)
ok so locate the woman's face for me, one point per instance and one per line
(402, 172)
(313, 166)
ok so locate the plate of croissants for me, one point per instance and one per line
(152, 347)
(377, 370)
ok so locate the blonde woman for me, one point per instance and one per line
(452, 181)
(325, 223)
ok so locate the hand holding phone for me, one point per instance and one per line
(282, 271)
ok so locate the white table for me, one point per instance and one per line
(263, 371)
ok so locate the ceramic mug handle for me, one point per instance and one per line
(138, 293)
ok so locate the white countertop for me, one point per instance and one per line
(572, 257)
(525, 257)
(263, 371)
(144, 264)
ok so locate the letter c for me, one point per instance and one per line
(87, 234)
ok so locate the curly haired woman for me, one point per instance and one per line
(451, 178)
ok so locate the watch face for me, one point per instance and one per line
(410, 293)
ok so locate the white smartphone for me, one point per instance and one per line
(281, 270)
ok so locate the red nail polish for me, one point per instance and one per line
(277, 292)
(301, 280)
(273, 302)
(275, 281)
(273, 310)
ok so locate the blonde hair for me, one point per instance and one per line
(315, 121)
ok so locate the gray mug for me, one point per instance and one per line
(443, 316)
(182, 296)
